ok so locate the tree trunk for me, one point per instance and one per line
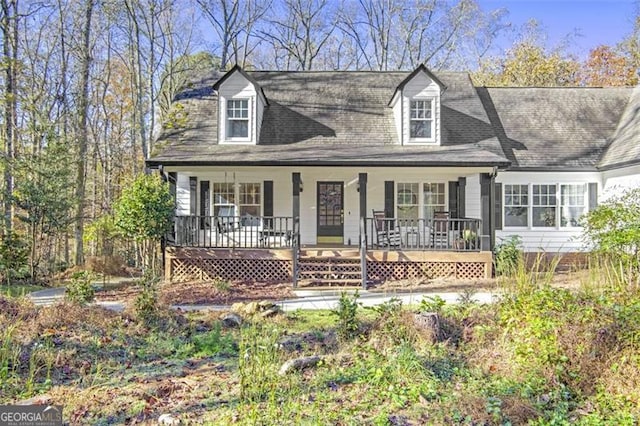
(9, 29)
(81, 163)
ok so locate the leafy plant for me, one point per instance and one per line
(14, 255)
(347, 313)
(146, 303)
(508, 254)
(80, 290)
(143, 213)
(612, 229)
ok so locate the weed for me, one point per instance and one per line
(347, 313)
(215, 343)
(257, 363)
(508, 254)
(222, 286)
(432, 304)
(80, 290)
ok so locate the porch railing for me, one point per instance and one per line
(447, 234)
(232, 232)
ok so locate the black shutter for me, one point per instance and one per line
(453, 199)
(593, 195)
(485, 203)
(267, 187)
(498, 204)
(205, 209)
(389, 206)
(173, 178)
(193, 196)
(462, 183)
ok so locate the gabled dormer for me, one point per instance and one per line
(416, 108)
(241, 104)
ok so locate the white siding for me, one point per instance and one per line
(282, 189)
(236, 86)
(472, 197)
(617, 181)
(553, 240)
(420, 86)
(183, 206)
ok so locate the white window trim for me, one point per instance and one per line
(236, 194)
(433, 140)
(421, 204)
(227, 139)
(529, 203)
(558, 206)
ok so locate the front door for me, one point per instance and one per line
(330, 212)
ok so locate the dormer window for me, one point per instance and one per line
(421, 119)
(237, 118)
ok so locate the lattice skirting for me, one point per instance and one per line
(263, 270)
(386, 271)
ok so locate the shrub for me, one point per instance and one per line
(14, 255)
(612, 229)
(508, 254)
(146, 303)
(80, 290)
(347, 310)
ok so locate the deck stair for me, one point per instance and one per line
(329, 267)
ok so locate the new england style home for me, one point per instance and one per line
(369, 176)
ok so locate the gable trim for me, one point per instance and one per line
(238, 68)
(421, 68)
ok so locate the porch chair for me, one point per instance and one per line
(440, 233)
(387, 232)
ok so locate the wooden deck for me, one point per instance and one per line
(322, 265)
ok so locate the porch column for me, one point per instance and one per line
(487, 195)
(296, 180)
(362, 188)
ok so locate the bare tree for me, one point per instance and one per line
(299, 31)
(234, 22)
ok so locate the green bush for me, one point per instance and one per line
(347, 313)
(146, 303)
(508, 254)
(613, 229)
(80, 290)
(14, 256)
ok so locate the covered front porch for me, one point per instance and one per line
(342, 228)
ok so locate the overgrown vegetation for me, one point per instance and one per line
(80, 289)
(541, 355)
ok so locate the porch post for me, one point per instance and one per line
(296, 180)
(362, 187)
(487, 194)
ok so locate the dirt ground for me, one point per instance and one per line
(224, 293)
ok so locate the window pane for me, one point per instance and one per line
(516, 207)
(421, 129)
(544, 216)
(408, 212)
(515, 216)
(433, 195)
(238, 128)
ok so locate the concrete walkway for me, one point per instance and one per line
(307, 299)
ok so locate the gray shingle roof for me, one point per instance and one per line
(555, 128)
(343, 118)
(326, 118)
(625, 143)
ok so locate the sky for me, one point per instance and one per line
(590, 22)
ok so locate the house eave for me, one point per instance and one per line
(153, 164)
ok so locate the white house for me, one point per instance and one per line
(316, 153)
